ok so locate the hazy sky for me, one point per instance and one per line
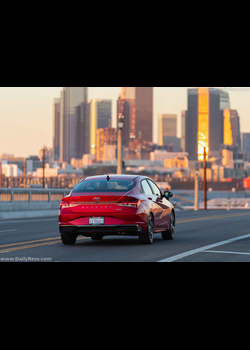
(26, 113)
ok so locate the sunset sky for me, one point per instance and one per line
(26, 113)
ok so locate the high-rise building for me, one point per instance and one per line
(204, 122)
(105, 138)
(138, 115)
(228, 137)
(56, 129)
(167, 132)
(82, 127)
(246, 142)
(64, 153)
(167, 127)
(224, 100)
(71, 97)
(100, 112)
(235, 124)
(232, 128)
(183, 131)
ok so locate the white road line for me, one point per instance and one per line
(198, 250)
(15, 229)
(226, 252)
(27, 220)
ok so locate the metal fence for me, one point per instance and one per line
(12, 195)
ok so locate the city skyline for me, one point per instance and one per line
(26, 114)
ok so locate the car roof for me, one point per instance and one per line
(112, 177)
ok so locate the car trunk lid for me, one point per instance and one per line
(98, 204)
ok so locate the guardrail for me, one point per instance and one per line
(14, 195)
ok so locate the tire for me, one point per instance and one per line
(96, 238)
(167, 235)
(68, 239)
(148, 238)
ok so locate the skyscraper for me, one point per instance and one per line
(204, 122)
(56, 129)
(82, 127)
(183, 130)
(167, 127)
(235, 125)
(224, 100)
(232, 128)
(100, 118)
(138, 118)
(167, 132)
(246, 143)
(71, 97)
(228, 137)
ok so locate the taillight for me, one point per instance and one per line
(131, 204)
(134, 204)
(64, 205)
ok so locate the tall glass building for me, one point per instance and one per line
(71, 97)
(246, 143)
(167, 127)
(100, 113)
(204, 121)
(82, 134)
(138, 119)
(56, 129)
(232, 128)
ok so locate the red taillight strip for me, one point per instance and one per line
(64, 205)
(130, 204)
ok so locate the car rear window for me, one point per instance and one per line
(104, 186)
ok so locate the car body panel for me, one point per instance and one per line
(111, 206)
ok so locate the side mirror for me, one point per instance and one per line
(168, 194)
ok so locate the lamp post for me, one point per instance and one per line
(44, 167)
(196, 202)
(120, 169)
(205, 178)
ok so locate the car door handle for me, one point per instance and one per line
(150, 198)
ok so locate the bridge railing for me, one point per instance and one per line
(13, 195)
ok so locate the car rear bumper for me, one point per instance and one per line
(104, 230)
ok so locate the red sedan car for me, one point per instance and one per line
(131, 205)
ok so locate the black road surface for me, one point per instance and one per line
(214, 235)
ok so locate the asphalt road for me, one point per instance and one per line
(214, 235)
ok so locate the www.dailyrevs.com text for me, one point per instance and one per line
(24, 259)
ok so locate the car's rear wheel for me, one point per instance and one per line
(148, 238)
(166, 235)
(68, 239)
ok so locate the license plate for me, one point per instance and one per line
(96, 221)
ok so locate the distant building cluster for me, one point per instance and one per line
(209, 122)
(84, 139)
(75, 123)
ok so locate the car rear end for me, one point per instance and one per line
(100, 206)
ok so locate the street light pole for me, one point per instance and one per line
(43, 167)
(120, 169)
(196, 202)
(205, 179)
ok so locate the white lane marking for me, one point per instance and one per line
(226, 252)
(198, 250)
(14, 229)
(27, 220)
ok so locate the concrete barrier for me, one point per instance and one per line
(16, 203)
(28, 214)
(33, 206)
